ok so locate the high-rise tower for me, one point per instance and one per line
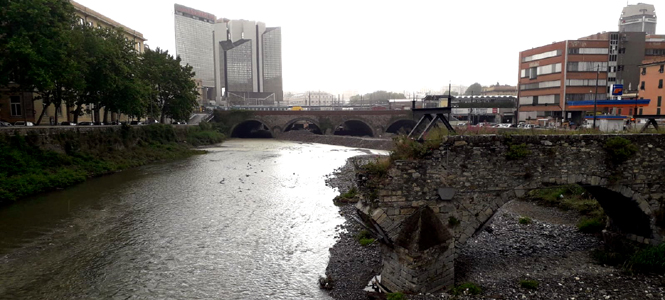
(639, 17)
(193, 43)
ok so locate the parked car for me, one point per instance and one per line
(5, 124)
(85, 123)
(179, 123)
(135, 123)
(98, 123)
(23, 123)
(67, 124)
(151, 122)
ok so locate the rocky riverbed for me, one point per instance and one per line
(385, 143)
(548, 250)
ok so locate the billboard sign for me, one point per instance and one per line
(617, 89)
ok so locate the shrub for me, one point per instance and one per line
(619, 149)
(395, 296)
(377, 168)
(650, 259)
(591, 225)
(517, 152)
(524, 220)
(364, 238)
(468, 288)
(452, 221)
(406, 148)
(529, 284)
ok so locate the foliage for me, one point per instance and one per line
(395, 296)
(348, 197)
(452, 221)
(529, 284)
(378, 97)
(377, 168)
(364, 238)
(524, 220)
(649, 259)
(591, 225)
(467, 288)
(474, 89)
(517, 152)
(27, 169)
(619, 149)
(569, 197)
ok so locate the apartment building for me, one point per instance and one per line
(553, 75)
(652, 75)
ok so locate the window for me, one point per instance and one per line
(587, 66)
(620, 68)
(642, 85)
(619, 113)
(613, 57)
(660, 84)
(640, 111)
(541, 85)
(542, 55)
(644, 71)
(658, 111)
(655, 52)
(533, 73)
(588, 51)
(662, 69)
(612, 79)
(622, 50)
(660, 100)
(15, 106)
(585, 82)
(630, 111)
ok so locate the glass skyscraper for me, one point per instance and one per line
(193, 43)
(248, 62)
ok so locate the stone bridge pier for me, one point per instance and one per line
(443, 199)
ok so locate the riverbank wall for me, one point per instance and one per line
(37, 160)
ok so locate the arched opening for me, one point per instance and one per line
(251, 129)
(625, 214)
(354, 128)
(303, 125)
(401, 127)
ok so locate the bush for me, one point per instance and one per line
(650, 259)
(525, 220)
(517, 152)
(364, 238)
(395, 296)
(619, 149)
(529, 284)
(452, 221)
(378, 168)
(468, 288)
(591, 225)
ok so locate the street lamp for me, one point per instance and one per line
(595, 95)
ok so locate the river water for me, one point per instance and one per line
(252, 219)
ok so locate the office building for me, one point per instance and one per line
(552, 75)
(639, 17)
(248, 63)
(193, 43)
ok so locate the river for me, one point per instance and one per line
(252, 219)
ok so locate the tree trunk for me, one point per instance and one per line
(44, 107)
(77, 112)
(106, 116)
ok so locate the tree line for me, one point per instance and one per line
(378, 97)
(46, 49)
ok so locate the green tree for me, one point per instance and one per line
(474, 89)
(172, 89)
(378, 97)
(34, 47)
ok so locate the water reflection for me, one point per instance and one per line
(250, 220)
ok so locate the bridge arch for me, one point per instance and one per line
(354, 127)
(291, 124)
(252, 128)
(401, 126)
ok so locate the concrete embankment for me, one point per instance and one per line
(347, 141)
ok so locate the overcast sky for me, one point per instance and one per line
(413, 45)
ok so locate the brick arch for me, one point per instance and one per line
(235, 126)
(368, 124)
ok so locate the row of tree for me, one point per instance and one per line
(46, 49)
(378, 97)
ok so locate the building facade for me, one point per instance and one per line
(248, 63)
(193, 43)
(639, 17)
(576, 70)
(20, 106)
(652, 77)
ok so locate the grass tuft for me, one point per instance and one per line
(529, 284)
(467, 288)
(525, 220)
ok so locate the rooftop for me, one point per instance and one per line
(89, 12)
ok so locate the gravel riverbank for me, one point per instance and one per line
(549, 250)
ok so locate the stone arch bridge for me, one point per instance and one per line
(424, 209)
(361, 123)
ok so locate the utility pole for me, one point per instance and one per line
(595, 96)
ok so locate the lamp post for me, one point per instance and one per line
(595, 95)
